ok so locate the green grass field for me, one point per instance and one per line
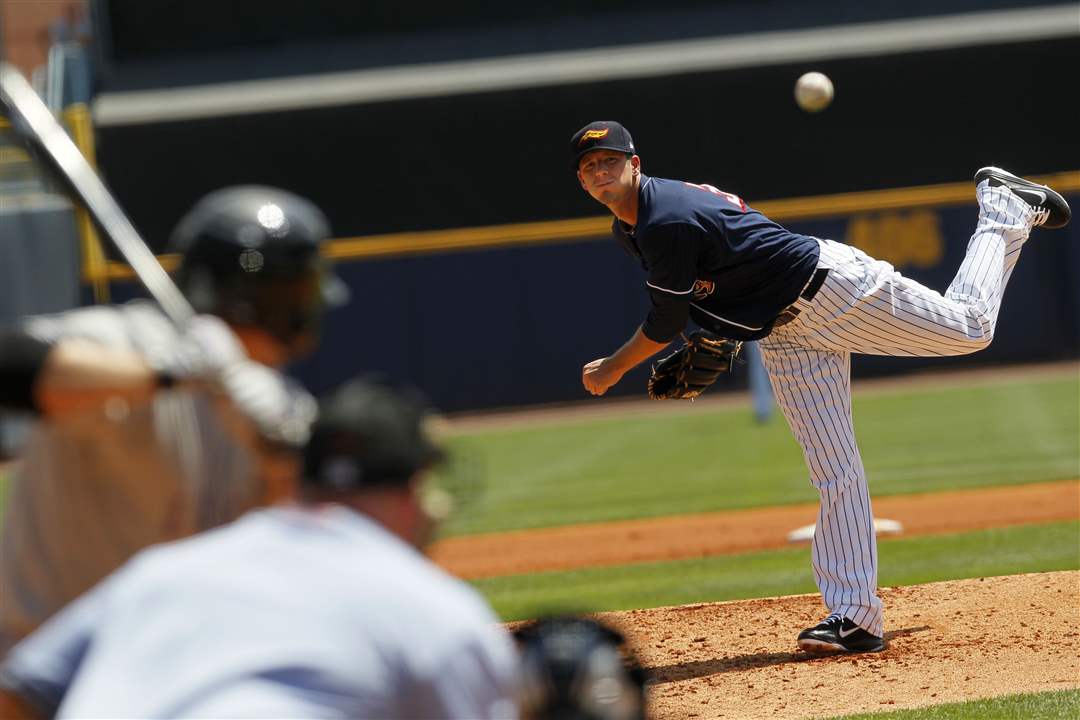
(912, 440)
(973, 433)
(1060, 705)
(986, 553)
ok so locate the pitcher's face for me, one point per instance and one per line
(608, 175)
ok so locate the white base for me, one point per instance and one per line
(882, 526)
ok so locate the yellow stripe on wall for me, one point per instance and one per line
(576, 229)
(876, 200)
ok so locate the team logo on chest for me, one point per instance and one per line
(703, 289)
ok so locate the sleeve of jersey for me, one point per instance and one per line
(41, 668)
(671, 254)
(100, 323)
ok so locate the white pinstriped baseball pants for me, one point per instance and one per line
(865, 306)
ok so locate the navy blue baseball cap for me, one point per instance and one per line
(600, 135)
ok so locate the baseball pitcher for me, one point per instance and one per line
(712, 258)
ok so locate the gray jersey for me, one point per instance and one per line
(92, 490)
(288, 612)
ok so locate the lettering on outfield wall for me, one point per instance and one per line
(911, 237)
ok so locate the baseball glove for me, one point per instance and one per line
(695, 366)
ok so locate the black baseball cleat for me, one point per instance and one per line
(1051, 210)
(838, 634)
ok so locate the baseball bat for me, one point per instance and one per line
(47, 140)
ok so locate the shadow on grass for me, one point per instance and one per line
(740, 663)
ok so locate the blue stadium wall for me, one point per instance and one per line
(506, 326)
(485, 328)
(493, 328)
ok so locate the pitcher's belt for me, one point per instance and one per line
(812, 286)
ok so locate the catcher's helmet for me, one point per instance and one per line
(251, 256)
(575, 668)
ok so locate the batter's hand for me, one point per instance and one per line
(281, 410)
(599, 375)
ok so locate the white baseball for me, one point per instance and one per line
(813, 92)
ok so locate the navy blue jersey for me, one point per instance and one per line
(712, 258)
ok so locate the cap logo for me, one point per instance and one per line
(340, 473)
(593, 135)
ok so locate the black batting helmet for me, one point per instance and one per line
(576, 668)
(251, 256)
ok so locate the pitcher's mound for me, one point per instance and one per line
(948, 642)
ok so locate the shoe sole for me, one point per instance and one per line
(820, 647)
(995, 172)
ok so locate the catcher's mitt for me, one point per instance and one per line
(695, 366)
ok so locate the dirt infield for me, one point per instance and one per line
(686, 536)
(948, 642)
